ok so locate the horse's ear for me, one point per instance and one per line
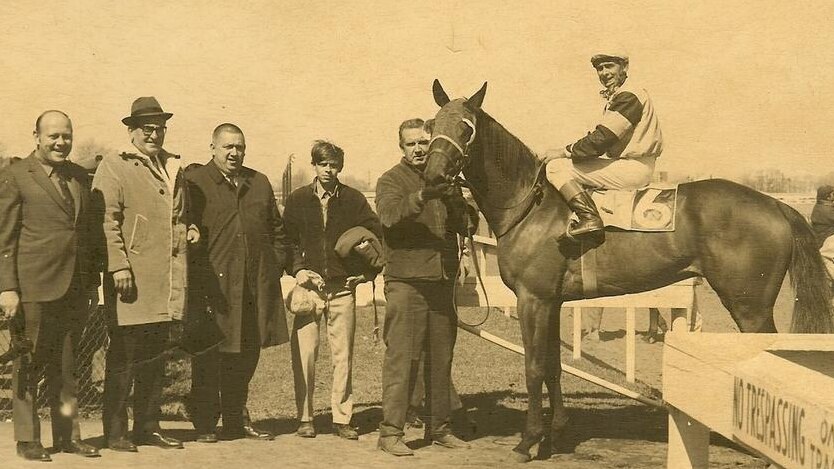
(478, 98)
(440, 96)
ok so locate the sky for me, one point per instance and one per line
(738, 86)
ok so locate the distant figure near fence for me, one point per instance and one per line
(822, 219)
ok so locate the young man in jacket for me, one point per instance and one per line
(316, 216)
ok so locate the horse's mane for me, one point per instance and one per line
(510, 156)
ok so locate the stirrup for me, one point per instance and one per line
(577, 238)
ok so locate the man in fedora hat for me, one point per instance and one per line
(143, 198)
(619, 153)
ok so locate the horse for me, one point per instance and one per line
(741, 241)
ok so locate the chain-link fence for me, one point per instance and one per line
(89, 361)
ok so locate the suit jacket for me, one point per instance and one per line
(242, 241)
(43, 245)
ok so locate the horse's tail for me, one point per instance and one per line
(813, 311)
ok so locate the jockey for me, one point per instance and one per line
(619, 153)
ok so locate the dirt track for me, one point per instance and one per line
(327, 450)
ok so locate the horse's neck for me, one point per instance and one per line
(503, 173)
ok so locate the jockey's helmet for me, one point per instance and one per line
(609, 56)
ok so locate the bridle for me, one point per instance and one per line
(463, 150)
(460, 163)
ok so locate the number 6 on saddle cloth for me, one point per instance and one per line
(647, 209)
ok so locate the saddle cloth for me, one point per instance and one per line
(651, 208)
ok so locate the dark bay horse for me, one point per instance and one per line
(741, 241)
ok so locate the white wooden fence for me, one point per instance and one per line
(678, 295)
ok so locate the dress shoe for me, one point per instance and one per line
(394, 445)
(254, 434)
(447, 440)
(79, 447)
(157, 439)
(207, 438)
(346, 431)
(412, 419)
(306, 430)
(122, 444)
(32, 451)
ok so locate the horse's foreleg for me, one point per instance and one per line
(559, 440)
(533, 315)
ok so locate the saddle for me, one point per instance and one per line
(651, 208)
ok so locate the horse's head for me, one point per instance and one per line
(454, 131)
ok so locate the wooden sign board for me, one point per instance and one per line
(773, 393)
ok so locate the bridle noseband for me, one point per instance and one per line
(463, 150)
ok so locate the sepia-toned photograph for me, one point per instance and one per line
(442, 234)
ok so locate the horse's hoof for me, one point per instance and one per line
(519, 456)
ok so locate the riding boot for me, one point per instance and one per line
(583, 206)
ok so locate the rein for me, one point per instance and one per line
(535, 189)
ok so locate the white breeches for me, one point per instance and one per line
(602, 173)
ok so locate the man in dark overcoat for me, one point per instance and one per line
(245, 246)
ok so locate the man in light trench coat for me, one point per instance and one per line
(142, 191)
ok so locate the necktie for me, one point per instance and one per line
(65, 190)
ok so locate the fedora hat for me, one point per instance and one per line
(146, 106)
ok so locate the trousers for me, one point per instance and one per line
(338, 310)
(135, 360)
(602, 173)
(419, 317)
(55, 330)
(220, 381)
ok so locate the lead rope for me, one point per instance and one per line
(376, 312)
(477, 266)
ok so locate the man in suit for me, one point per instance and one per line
(49, 279)
(142, 191)
(245, 250)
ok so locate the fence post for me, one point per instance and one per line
(577, 333)
(688, 442)
(630, 343)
